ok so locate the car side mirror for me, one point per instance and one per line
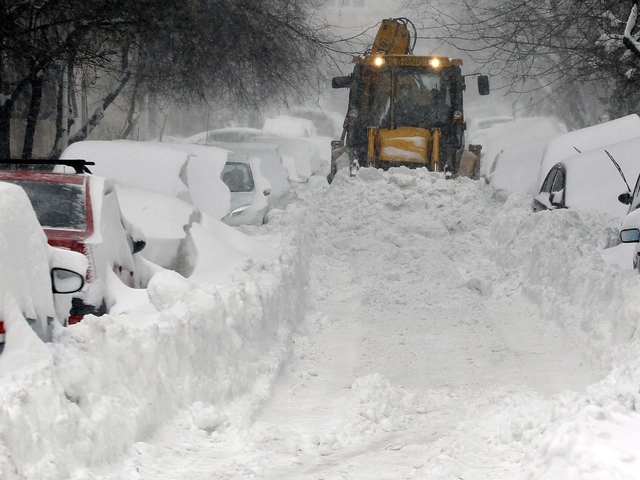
(266, 192)
(483, 85)
(625, 198)
(66, 281)
(630, 235)
(555, 199)
(341, 82)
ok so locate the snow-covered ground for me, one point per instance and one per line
(392, 325)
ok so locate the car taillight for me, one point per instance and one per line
(2, 332)
(73, 319)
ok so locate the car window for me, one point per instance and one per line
(57, 205)
(237, 176)
(548, 182)
(558, 181)
(635, 202)
(554, 181)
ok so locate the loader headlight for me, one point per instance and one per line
(458, 117)
(434, 62)
(378, 61)
(353, 113)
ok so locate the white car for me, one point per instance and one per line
(31, 272)
(249, 191)
(630, 228)
(590, 180)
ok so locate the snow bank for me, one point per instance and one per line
(110, 383)
(557, 256)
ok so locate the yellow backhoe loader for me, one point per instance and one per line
(405, 109)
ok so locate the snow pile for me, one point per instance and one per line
(111, 382)
(24, 260)
(206, 355)
(594, 302)
(374, 406)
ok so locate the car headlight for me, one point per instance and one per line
(239, 210)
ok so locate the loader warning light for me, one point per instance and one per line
(379, 61)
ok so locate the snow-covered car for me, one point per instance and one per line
(587, 139)
(229, 134)
(515, 168)
(165, 222)
(630, 228)
(501, 135)
(591, 180)
(249, 191)
(81, 212)
(327, 123)
(31, 272)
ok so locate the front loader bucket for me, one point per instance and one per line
(408, 145)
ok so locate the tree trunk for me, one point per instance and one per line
(132, 117)
(5, 117)
(5, 131)
(32, 118)
(97, 116)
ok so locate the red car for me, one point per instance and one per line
(80, 212)
(31, 272)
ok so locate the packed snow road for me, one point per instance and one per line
(448, 335)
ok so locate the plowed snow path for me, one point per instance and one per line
(415, 359)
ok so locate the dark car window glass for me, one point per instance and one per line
(558, 181)
(237, 176)
(635, 203)
(57, 205)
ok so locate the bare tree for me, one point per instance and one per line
(238, 51)
(560, 56)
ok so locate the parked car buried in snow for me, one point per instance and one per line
(31, 272)
(249, 191)
(590, 180)
(80, 212)
(630, 228)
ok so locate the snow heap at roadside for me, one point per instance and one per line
(110, 381)
(206, 347)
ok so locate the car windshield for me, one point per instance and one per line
(57, 205)
(237, 176)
